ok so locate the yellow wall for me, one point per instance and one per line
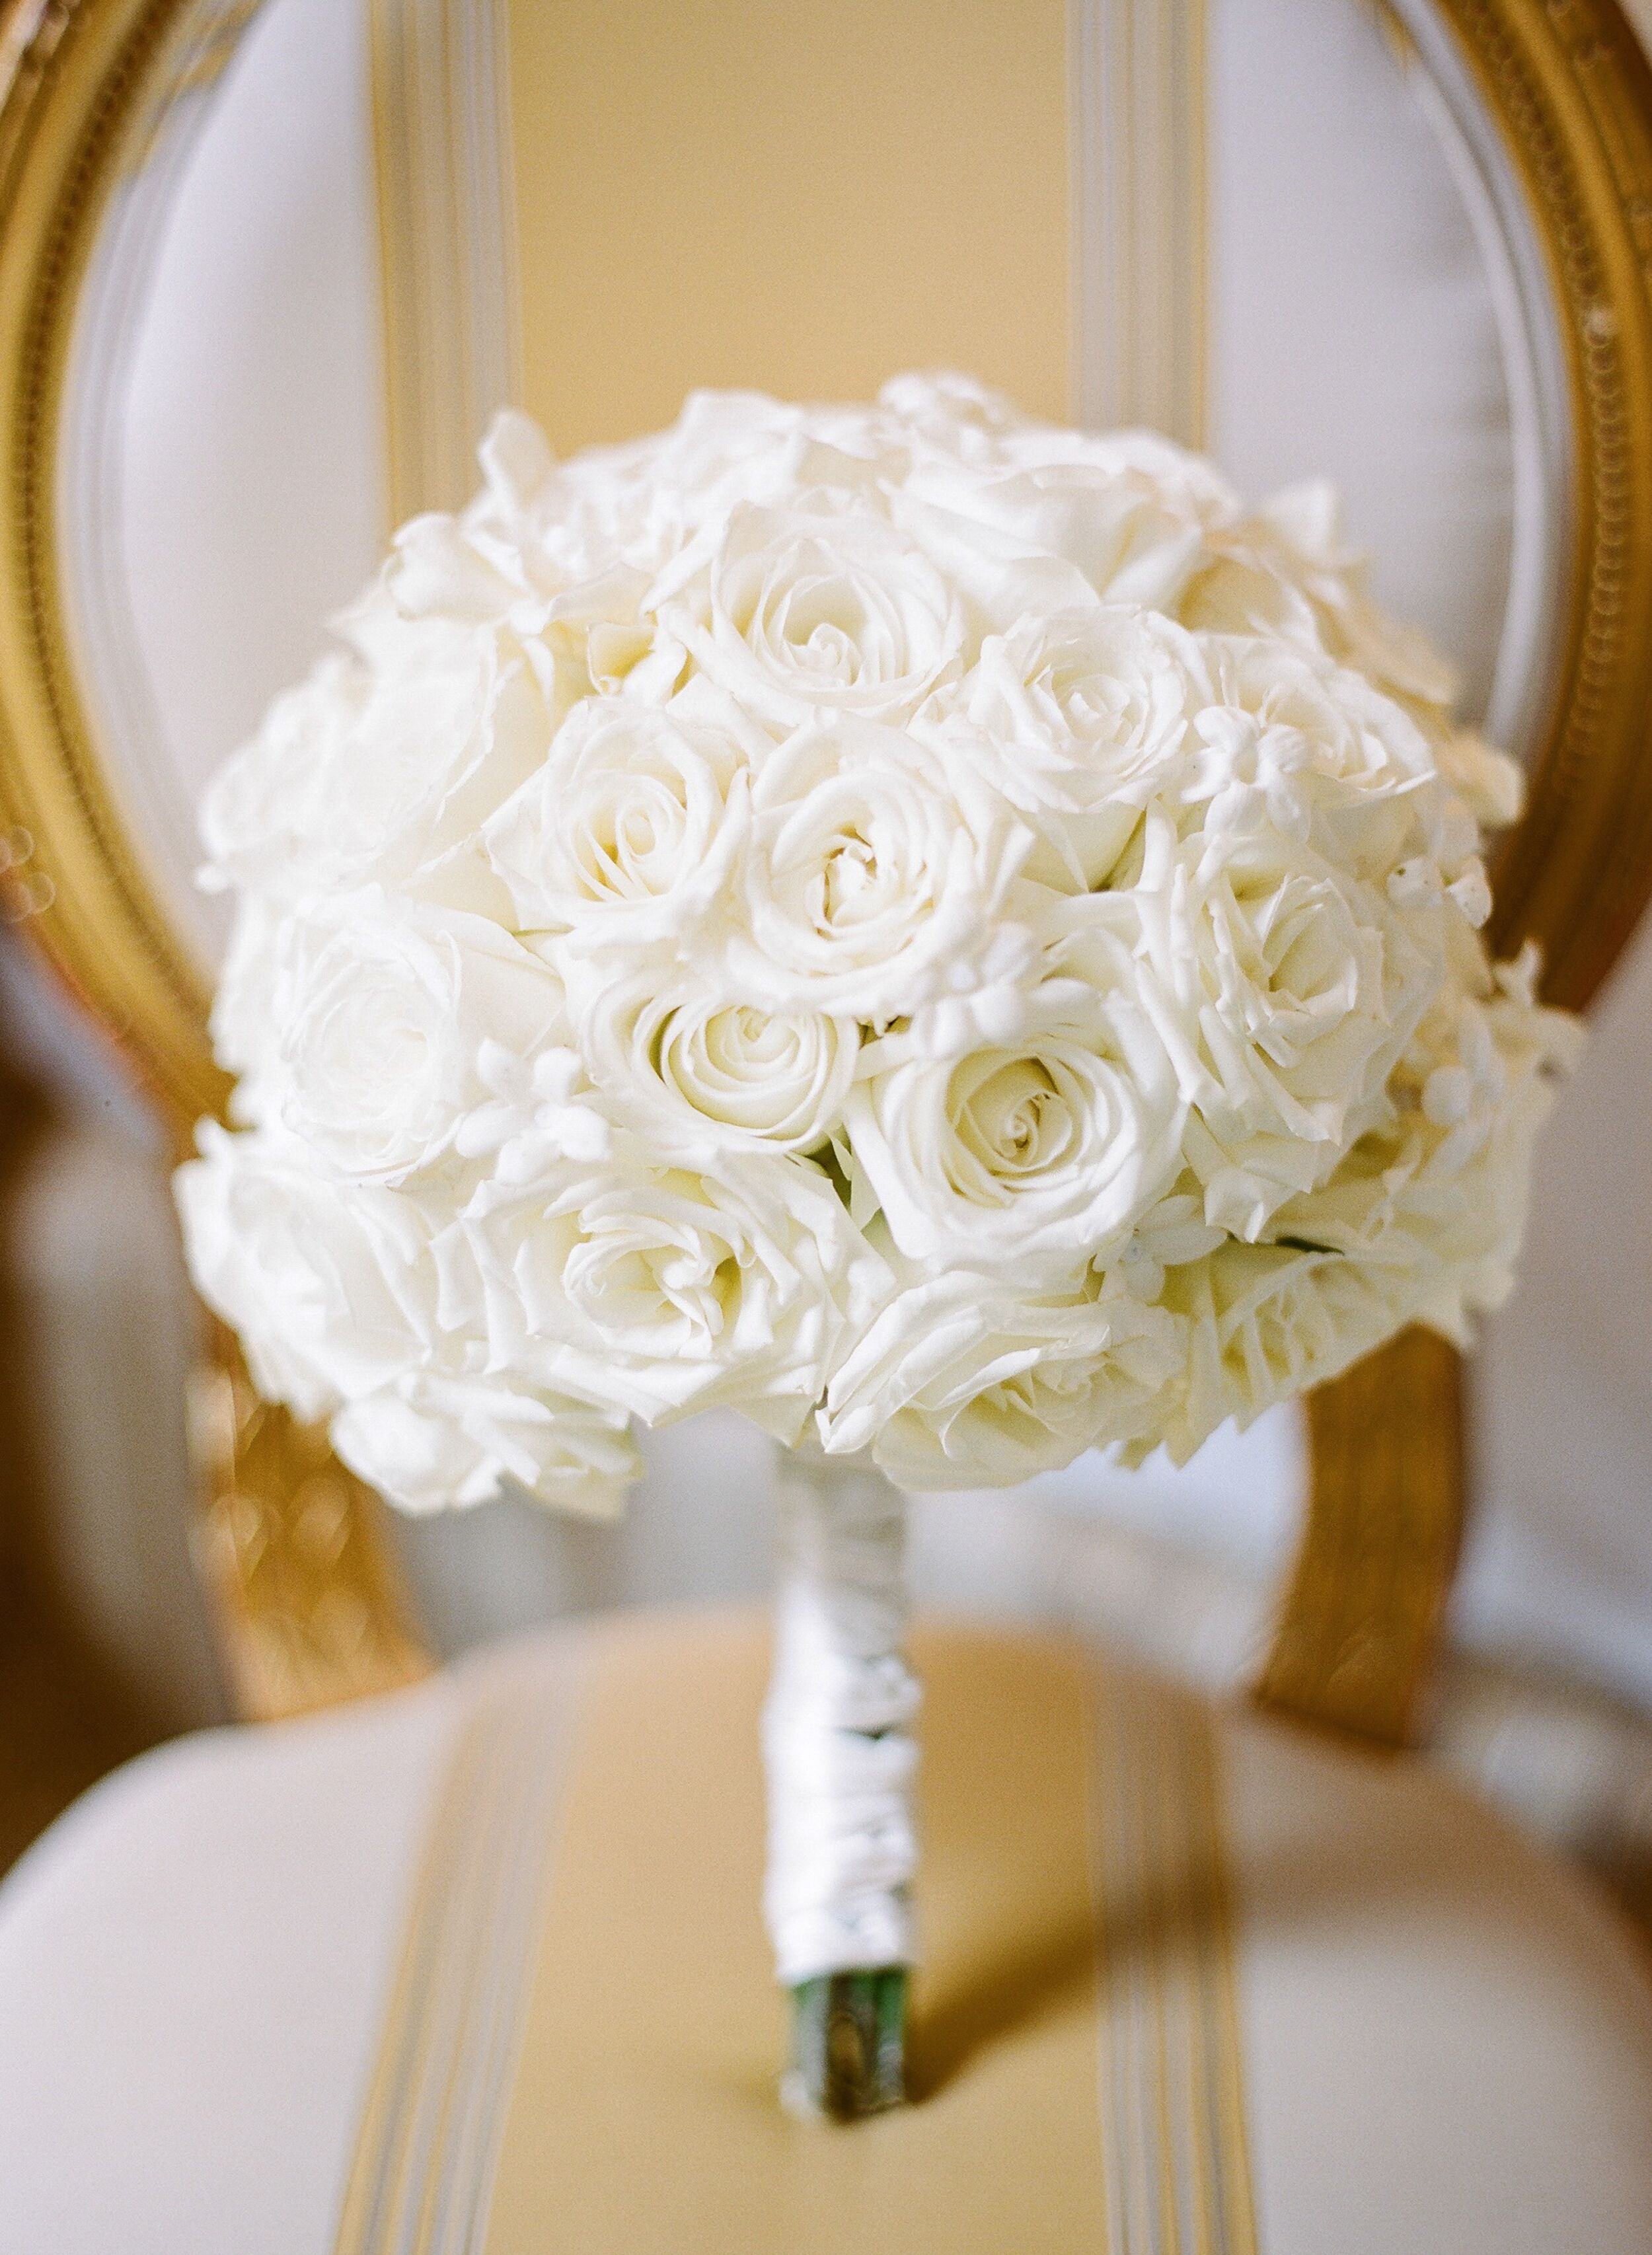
(803, 195)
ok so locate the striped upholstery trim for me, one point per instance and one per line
(451, 331)
(1172, 2104)
(487, 2044)
(1136, 96)
(429, 2134)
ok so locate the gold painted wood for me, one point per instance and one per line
(310, 1609)
(308, 1599)
(294, 1555)
(1568, 84)
(1568, 87)
(76, 98)
(1361, 1612)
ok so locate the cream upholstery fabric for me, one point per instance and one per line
(194, 1960)
(1448, 2044)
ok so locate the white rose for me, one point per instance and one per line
(729, 450)
(606, 507)
(658, 1290)
(632, 828)
(263, 817)
(571, 605)
(1271, 573)
(969, 1381)
(429, 1442)
(874, 875)
(1311, 749)
(1457, 1229)
(1379, 1246)
(906, 914)
(1047, 539)
(1284, 990)
(1262, 1323)
(951, 412)
(447, 567)
(1286, 572)
(580, 532)
(242, 1019)
(1421, 1222)
(1188, 484)
(724, 448)
(1305, 520)
(1293, 740)
(383, 1005)
(576, 633)
(695, 1074)
(660, 503)
(1049, 1149)
(1242, 591)
(1490, 784)
(516, 466)
(332, 1286)
(383, 772)
(1078, 721)
(824, 610)
(1432, 1201)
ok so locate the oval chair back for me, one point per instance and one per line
(1064, 251)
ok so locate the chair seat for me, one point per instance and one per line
(482, 1962)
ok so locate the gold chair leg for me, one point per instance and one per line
(1362, 1609)
(309, 1603)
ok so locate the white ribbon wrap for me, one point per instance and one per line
(840, 1759)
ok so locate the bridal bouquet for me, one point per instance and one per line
(932, 930)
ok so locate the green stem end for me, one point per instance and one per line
(848, 2045)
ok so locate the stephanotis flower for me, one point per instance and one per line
(928, 928)
(537, 1114)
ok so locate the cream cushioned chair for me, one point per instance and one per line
(472, 1963)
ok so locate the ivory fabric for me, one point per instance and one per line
(192, 1966)
(1433, 2042)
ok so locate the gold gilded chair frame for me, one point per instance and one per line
(1568, 87)
(311, 1608)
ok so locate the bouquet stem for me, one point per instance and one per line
(840, 1763)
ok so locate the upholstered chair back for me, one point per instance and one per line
(1404, 245)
